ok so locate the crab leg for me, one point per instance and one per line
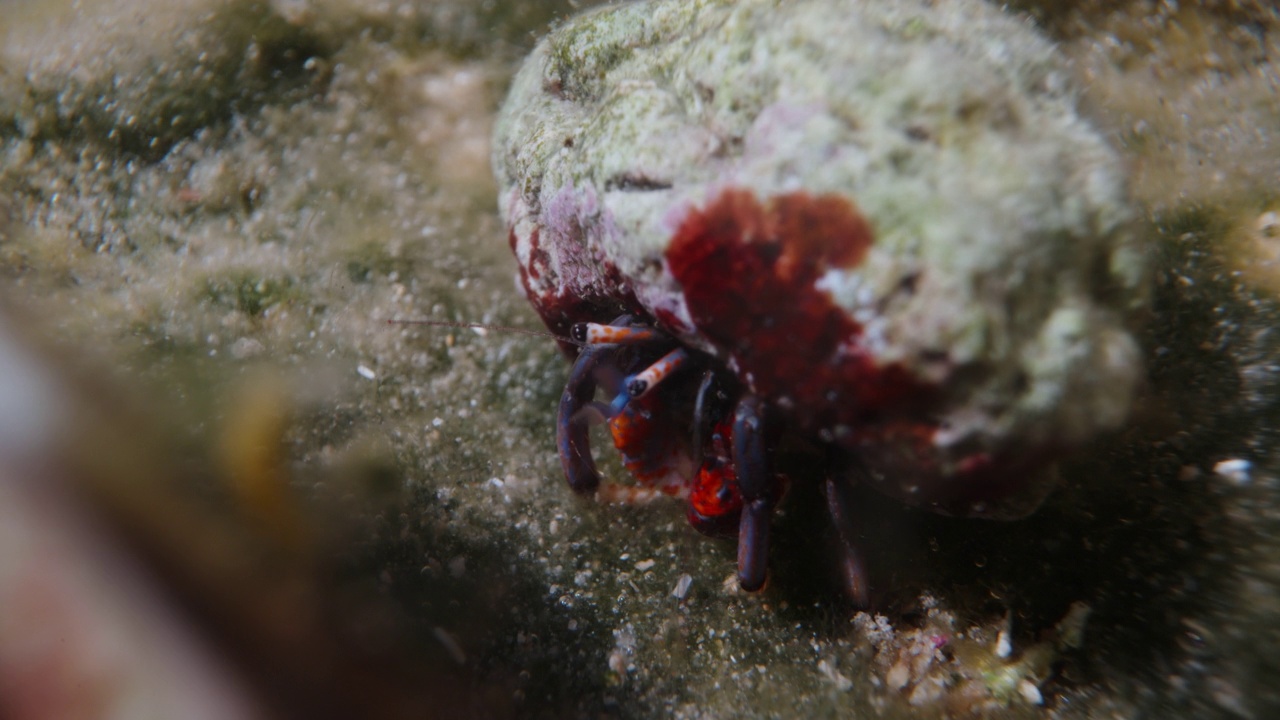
(755, 482)
(573, 420)
(702, 415)
(851, 565)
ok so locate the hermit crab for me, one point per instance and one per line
(881, 227)
(713, 450)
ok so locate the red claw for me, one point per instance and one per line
(714, 501)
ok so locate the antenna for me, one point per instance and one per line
(483, 326)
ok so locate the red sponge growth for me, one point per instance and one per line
(749, 273)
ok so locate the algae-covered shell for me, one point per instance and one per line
(887, 218)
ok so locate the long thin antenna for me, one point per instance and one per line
(483, 326)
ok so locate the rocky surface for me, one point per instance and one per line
(197, 194)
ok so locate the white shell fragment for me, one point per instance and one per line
(1236, 470)
(681, 590)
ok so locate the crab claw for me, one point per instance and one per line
(756, 483)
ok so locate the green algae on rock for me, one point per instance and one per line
(886, 218)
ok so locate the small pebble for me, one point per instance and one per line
(1030, 692)
(1236, 470)
(1004, 648)
(681, 589)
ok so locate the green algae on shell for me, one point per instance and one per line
(888, 218)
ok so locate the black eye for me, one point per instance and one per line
(578, 332)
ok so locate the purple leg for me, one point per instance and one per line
(756, 483)
(851, 566)
(706, 408)
(573, 439)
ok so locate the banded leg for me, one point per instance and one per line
(616, 333)
(638, 385)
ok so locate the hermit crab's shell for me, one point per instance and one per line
(887, 217)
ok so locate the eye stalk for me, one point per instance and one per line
(597, 334)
